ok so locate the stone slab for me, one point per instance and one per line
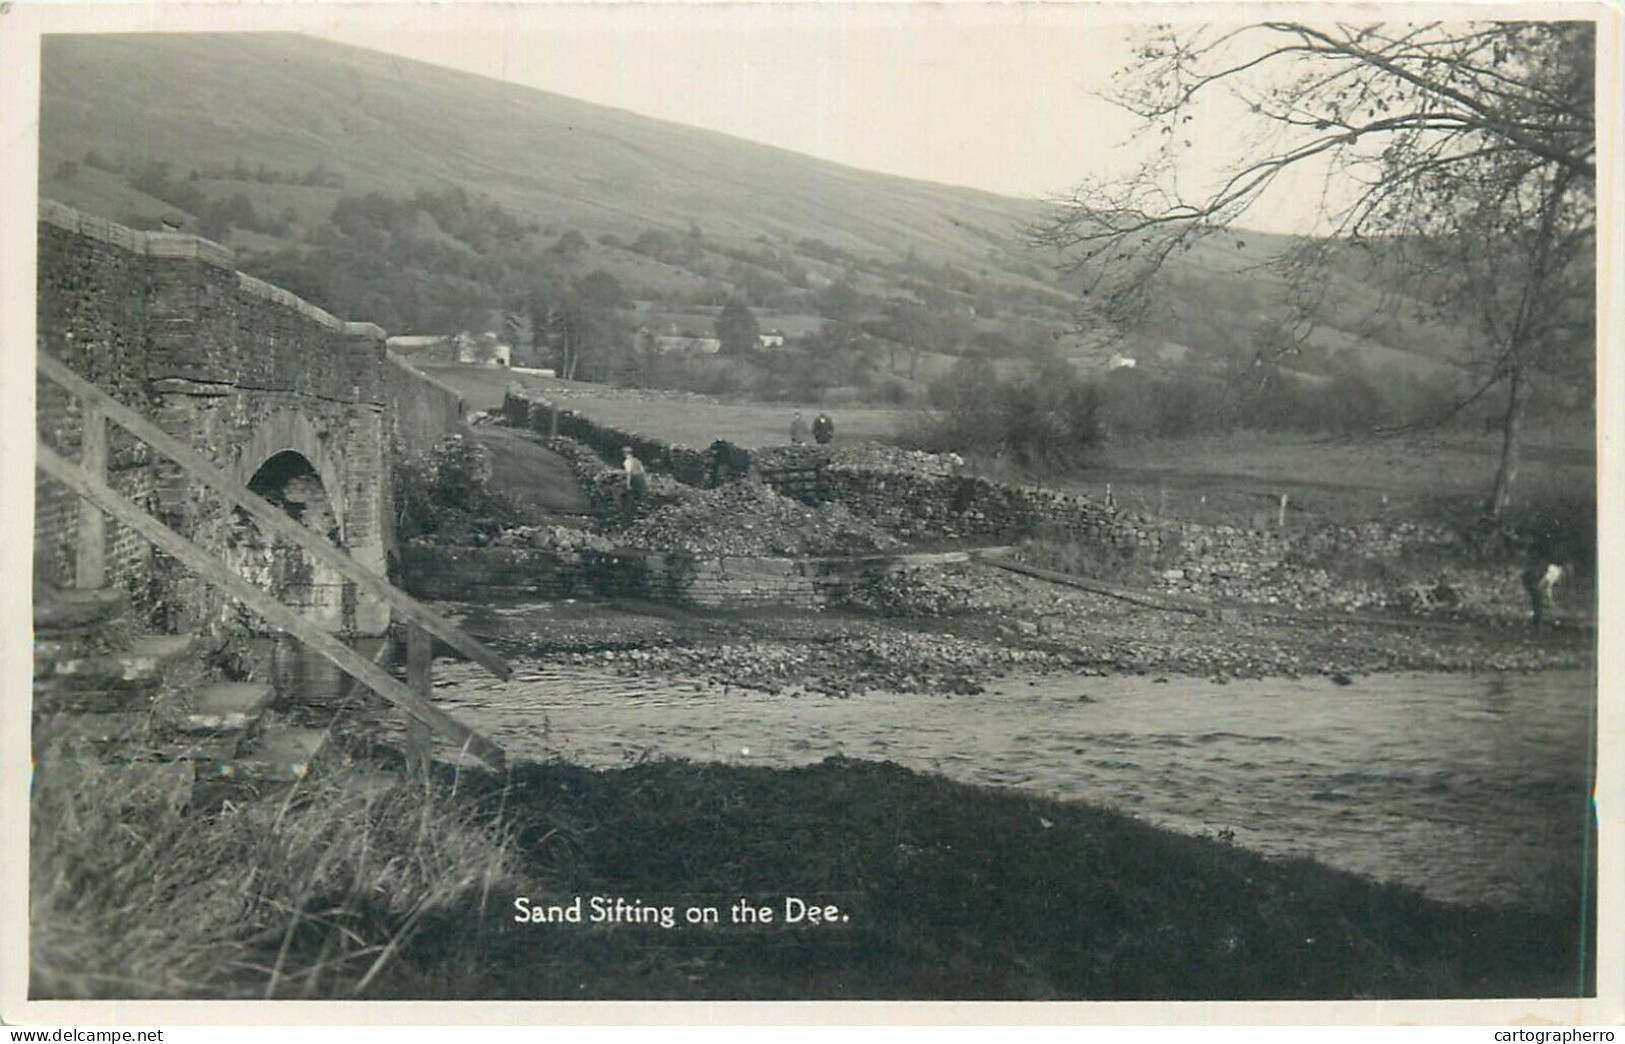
(227, 707)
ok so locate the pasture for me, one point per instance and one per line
(1238, 478)
(681, 417)
(1235, 478)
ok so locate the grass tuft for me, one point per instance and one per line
(135, 895)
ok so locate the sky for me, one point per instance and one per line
(1007, 97)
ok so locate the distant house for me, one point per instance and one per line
(677, 343)
(671, 339)
(1119, 361)
(770, 339)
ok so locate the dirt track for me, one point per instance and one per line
(536, 479)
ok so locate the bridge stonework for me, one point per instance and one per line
(242, 371)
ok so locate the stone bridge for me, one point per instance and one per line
(305, 409)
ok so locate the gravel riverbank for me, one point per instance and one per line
(962, 625)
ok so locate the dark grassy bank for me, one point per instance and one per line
(952, 892)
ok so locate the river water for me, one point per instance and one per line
(1471, 787)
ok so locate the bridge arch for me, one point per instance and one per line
(317, 591)
(289, 431)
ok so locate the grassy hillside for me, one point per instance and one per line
(144, 128)
(393, 125)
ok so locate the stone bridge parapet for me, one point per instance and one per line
(277, 392)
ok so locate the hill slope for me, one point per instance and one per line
(295, 126)
(395, 125)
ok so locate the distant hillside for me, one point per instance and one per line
(394, 125)
(256, 139)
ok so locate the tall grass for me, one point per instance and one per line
(315, 894)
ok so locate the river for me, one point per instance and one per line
(1471, 787)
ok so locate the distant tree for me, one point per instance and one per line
(571, 245)
(601, 290)
(736, 328)
(841, 302)
(656, 244)
(67, 170)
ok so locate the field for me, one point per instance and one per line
(1234, 479)
(692, 420)
(1239, 478)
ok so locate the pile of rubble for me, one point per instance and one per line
(877, 457)
(553, 538)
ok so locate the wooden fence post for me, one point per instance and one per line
(419, 667)
(268, 608)
(1280, 518)
(90, 559)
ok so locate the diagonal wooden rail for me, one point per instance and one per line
(274, 612)
(272, 517)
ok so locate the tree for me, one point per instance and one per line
(653, 242)
(736, 328)
(570, 246)
(578, 319)
(1458, 162)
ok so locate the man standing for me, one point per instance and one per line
(823, 429)
(1543, 566)
(798, 429)
(637, 482)
(1540, 575)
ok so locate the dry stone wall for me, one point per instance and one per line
(683, 463)
(922, 497)
(516, 574)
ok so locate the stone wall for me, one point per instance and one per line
(422, 410)
(921, 497)
(912, 505)
(683, 463)
(90, 317)
(238, 369)
(512, 574)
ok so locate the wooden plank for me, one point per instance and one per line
(274, 518)
(1167, 603)
(90, 554)
(267, 607)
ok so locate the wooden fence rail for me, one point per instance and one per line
(270, 516)
(87, 480)
(274, 612)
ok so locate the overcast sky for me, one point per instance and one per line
(1006, 97)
